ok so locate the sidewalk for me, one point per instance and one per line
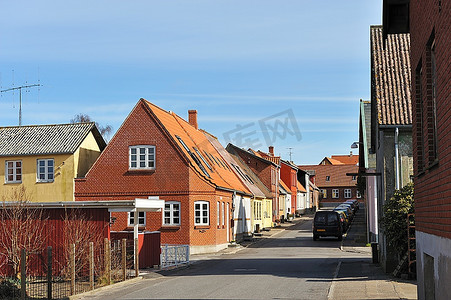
(362, 279)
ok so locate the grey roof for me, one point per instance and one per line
(45, 139)
(391, 77)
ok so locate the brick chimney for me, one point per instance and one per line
(192, 118)
(271, 150)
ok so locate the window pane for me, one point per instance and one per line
(176, 213)
(133, 164)
(142, 164)
(197, 206)
(167, 220)
(18, 171)
(41, 163)
(167, 214)
(10, 177)
(205, 220)
(142, 157)
(151, 164)
(10, 171)
(197, 220)
(151, 150)
(10, 164)
(41, 176)
(176, 221)
(133, 158)
(18, 177)
(150, 157)
(50, 169)
(50, 176)
(18, 164)
(197, 213)
(50, 162)
(42, 170)
(133, 150)
(205, 213)
(142, 150)
(204, 206)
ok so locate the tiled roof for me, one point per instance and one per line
(346, 159)
(202, 155)
(243, 173)
(231, 149)
(391, 77)
(45, 139)
(285, 187)
(274, 159)
(301, 188)
(337, 174)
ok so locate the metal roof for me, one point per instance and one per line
(45, 139)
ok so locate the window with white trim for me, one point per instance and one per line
(324, 192)
(223, 214)
(347, 193)
(358, 195)
(171, 213)
(335, 193)
(13, 171)
(141, 218)
(201, 213)
(44, 170)
(217, 213)
(141, 157)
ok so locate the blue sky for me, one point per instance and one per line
(287, 73)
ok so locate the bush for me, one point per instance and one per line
(394, 221)
(9, 290)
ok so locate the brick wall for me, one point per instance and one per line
(431, 19)
(341, 196)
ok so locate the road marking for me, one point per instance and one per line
(332, 286)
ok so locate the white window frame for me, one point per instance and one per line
(358, 195)
(335, 193)
(348, 193)
(202, 216)
(217, 214)
(141, 216)
(324, 192)
(171, 213)
(223, 214)
(138, 160)
(47, 170)
(14, 169)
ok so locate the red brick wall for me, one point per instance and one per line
(172, 180)
(432, 179)
(286, 174)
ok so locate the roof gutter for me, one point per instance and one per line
(400, 127)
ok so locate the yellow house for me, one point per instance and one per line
(45, 159)
(267, 213)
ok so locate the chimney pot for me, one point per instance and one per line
(271, 150)
(192, 117)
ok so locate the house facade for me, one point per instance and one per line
(45, 159)
(158, 155)
(333, 184)
(288, 174)
(391, 117)
(431, 96)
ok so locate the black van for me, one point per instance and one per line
(327, 223)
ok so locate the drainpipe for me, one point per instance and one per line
(397, 181)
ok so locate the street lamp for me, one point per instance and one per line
(355, 145)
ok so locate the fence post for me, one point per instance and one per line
(72, 269)
(49, 272)
(124, 259)
(187, 253)
(23, 274)
(91, 265)
(175, 255)
(136, 258)
(107, 260)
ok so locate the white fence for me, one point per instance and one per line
(174, 255)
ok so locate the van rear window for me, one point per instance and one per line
(320, 219)
(332, 219)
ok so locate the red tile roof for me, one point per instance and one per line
(217, 171)
(285, 187)
(301, 188)
(346, 159)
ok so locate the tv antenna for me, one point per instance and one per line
(291, 152)
(20, 96)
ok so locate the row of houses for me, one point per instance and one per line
(158, 173)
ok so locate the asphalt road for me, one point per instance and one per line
(289, 265)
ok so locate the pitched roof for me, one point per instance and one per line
(231, 149)
(336, 173)
(391, 77)
(243, 173)
(301, 188)
(46, 139)
(204, 158)
(284, 187)
(346, 159)
(272, 158)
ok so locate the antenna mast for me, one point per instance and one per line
(291, 152)
(20, 97)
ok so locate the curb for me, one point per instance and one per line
(105, 288)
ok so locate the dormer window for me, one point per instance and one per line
(142, 157)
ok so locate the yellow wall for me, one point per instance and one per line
(61, 189)
(256, 214)
(267, 213)
(66, 168)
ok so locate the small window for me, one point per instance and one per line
(335, 193)
(327, 178)
(354, 177)
(141, 218)
(324, 193)
(203, 159)
(217, 213)
(223, 214)
(171, 213)
(347, 193)
(142, 157)
(45, 170)
(358, 195)
(13, 171)
(201, 213)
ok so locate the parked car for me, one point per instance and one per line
(348, 209)
(355, 203)
(327, 223)
(350, 205)
(345, 222)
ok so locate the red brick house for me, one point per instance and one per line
(335, 187)
(430, 23)
(288, 174)
(157, 154)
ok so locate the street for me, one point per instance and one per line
(288, 265)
